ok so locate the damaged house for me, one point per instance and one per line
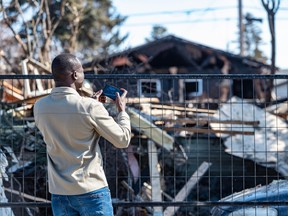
(188, 137)
(173, 55)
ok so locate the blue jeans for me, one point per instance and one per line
(94, 203)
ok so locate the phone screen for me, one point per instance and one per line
(110, 91)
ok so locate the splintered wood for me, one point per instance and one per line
(184, 192)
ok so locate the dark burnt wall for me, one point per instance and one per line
(184, 57)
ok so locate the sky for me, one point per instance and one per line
(212, 23)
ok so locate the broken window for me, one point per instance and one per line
(193, 88)
(149, 88)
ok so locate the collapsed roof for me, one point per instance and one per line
(172, 51)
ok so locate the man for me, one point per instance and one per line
(71, 126)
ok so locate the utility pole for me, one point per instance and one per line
(241, 28)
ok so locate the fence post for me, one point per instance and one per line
(155, 177)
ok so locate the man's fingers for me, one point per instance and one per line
(98, 93)
(98, 96)
(124, 93)
(117, 95)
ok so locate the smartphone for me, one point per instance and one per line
(110, 91)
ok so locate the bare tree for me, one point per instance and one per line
(87, 27)
(271, 7)
(8, 50)
(33, 44)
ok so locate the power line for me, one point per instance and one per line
(179, 11)
(198, 10)
(185, 21)
(228, 19)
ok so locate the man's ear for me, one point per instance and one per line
(74, 75)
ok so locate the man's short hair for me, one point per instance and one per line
(64, 64)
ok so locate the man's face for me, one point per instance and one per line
(80, 76)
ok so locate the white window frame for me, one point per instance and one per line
(158, 88)
(200, 87)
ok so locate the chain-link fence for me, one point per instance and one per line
(198, 142)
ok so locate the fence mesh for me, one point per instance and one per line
(201, 145)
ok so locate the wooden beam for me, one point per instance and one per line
(27, 89)
(155, 177)
(26, 196)
(141, 100)
(146, 185)
(159, 136)
(206, 121)
(11, 96)
(135, 197)
(204, 130)
(11, 87)
(38, 81)
(206, 61)
(188, 109)
(185, 191)
(39, 65)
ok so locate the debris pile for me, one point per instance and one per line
(267, 142)
(166, 160)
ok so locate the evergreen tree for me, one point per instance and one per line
(253, 39)
(157, 32)
(90, 27)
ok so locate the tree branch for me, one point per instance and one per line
(16, 36)
(17, 6)
(35, 24)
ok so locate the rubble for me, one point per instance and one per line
(147, 128)
(267, 146)
(185, 191)
(249, 132)
(4, 176)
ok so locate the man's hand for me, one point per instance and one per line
(121, 100)
(98, 96)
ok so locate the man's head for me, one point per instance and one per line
(67, 71)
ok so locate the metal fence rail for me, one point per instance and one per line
(201, 145)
